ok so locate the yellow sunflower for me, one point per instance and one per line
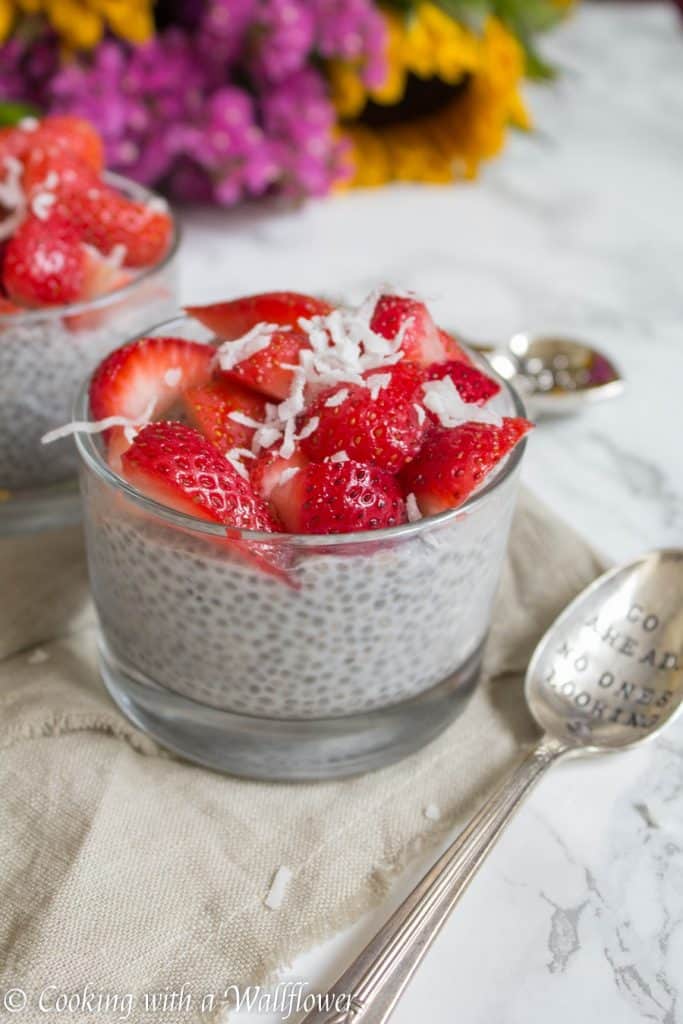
(80, 24)
(445, 105)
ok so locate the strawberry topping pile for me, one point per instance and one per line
(302, 417)
(65, 235)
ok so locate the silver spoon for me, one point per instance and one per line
(607, 675)
(554, 375)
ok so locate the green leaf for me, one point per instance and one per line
(12, 113)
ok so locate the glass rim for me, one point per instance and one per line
(138, 192)
(93, 459)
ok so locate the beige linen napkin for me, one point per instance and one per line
(126, 871)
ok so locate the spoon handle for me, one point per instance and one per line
(368, 990)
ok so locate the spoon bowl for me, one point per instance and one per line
(554, 375)
(609, 672)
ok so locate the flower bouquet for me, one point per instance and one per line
(220, 100)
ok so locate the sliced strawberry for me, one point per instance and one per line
(453, 348)
(339, 497)
(8, 308)
(102, 276)
(44, 263)
(230, 320)
(107, 219)
(145, 376)
(473, 386)
(14, 142)
(208, 407)
(421, 341)
(384, 431)
(453, 463)
(267, 470)
(59, 173)
(174, 465)
(267, 371)
(68, 133)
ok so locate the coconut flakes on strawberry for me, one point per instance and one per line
(366, 435)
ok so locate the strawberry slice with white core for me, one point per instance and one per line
(380, 423)
(473, 386)
(398, 316)
(231, 320)
(270, 469)
(339, 497)
(263, 358)
(211, 408)
(142, 380)
(454, 462)
(176, 466)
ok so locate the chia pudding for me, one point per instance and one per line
(247, 644)
(45, 356)
(360, 626)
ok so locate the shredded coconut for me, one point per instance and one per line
(341, 349)
(98, 426)
(42, 203)
(337, 398)
(442, 398)
(338, 457)
(413, 509)
(421, 414)
(237, 465)
(278, 887)
(309, 429)
(287, 474)
(376, 382)
(432, 812)
(230, 353)
(173, 376)
(244, 420)
(38, 657)
(241, 453)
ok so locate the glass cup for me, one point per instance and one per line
(279, 656)
(44, 356)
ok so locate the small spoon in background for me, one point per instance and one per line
(554, 376)
(607, 675)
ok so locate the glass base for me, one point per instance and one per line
(46, 508)
(288, 749)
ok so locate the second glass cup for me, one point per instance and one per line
(291, 656)
(44, 356)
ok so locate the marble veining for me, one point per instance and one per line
(578, 915)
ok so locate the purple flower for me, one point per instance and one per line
(134, 98)
(223, 30)
(230, 146)
(26, 68)
(280, 39)
(351, 30)
(299, 120)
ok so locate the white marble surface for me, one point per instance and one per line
(578, 914)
